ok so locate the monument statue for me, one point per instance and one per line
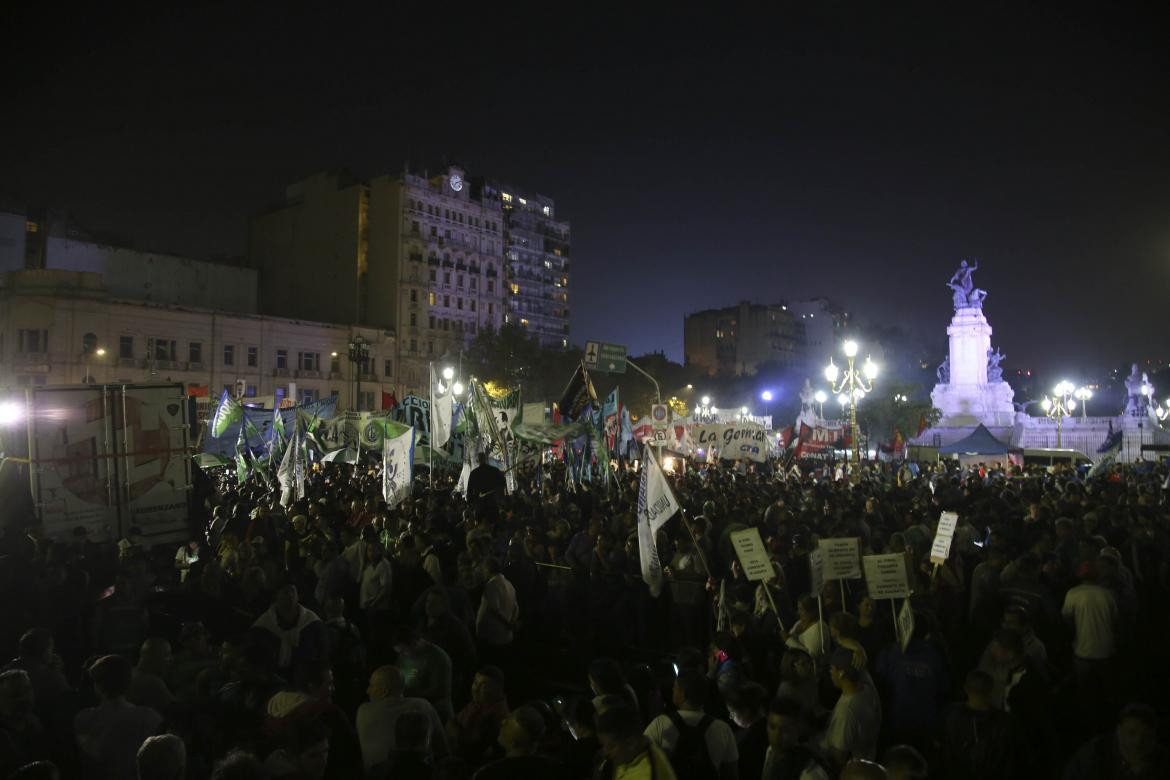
(970, 388)
(964, 292)
(944, 371)
(808, 413)
(994, 371)
(1136, 400)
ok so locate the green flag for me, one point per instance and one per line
(229, 412)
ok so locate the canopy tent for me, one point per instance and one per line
(979, 444)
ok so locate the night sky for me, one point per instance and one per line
(847, 150)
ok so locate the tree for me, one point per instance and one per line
(881, 413)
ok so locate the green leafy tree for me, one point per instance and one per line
(884, 411)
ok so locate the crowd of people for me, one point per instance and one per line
(512, 636)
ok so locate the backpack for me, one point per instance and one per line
(690, 758)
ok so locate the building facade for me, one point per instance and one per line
(736, 340)
(536, 263)
(65, 327)
(421, 256)
(824, 324)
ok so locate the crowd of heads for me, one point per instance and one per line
(507, 635)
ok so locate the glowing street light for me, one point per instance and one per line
(1060, 405)
(820, 397)
(705, 412)
(448, 373)
(1083, 394)
(766, 396)
(852, 388)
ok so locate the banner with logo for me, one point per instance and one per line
(820, 441)
(732, 441)
(397, 467)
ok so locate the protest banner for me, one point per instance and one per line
(941, 549)
(842, 558)
(733, 441)
(885, 576)
(816, 569)
(753, 558)
(905, 624)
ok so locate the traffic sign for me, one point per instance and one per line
(605, 357)
(659, 436)
(659, 417)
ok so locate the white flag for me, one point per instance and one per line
(442, 408)
(291, 473)
(656, 505)
(397, 467)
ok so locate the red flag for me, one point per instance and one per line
(389, 401)
(899, 441)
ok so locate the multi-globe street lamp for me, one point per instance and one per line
(1060, 405)
(1083, 394)
(820, 396)
(853, 386)
(705, 412)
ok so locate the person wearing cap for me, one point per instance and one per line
(852, 730)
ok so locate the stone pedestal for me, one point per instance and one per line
(968, 398)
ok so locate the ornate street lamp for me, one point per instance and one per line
(1059, 406)
(853, 387)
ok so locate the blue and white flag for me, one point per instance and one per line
(656, 505)
(397, 467)
(442, 410)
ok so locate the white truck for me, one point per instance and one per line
(105, 457)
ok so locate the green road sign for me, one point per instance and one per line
(600, 356)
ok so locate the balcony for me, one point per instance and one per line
(195, 366)
(308, 374)
(335, 375)
(280, 372)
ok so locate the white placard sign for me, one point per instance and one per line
(749, 548)
(816, 569)
(885, 576)
(905, 624)
(842, 558)
(941, 549)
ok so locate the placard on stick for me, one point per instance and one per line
(905, 624)
(842, 557)
(941, 549)
(749, 548)
(816, 570)
(885, 576)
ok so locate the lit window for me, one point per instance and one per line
(547, 211)
(506, 197)
(515, 289)
(31, 227)
(524, 322)
(431, 298)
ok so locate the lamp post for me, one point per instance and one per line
(820, 397)
(1083, 394)
(767, 397)
(359, 356)
(1059, 406)
(99, 352)
(854, 385)
(705, 412)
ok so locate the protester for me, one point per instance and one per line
(284, 605)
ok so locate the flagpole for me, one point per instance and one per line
(431, 426)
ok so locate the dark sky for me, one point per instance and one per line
(850, 150)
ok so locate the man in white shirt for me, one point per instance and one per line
(376, 718)
(1092, 610)
(377, 578)
(852, 731)
(498, 610)
(690, 696)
